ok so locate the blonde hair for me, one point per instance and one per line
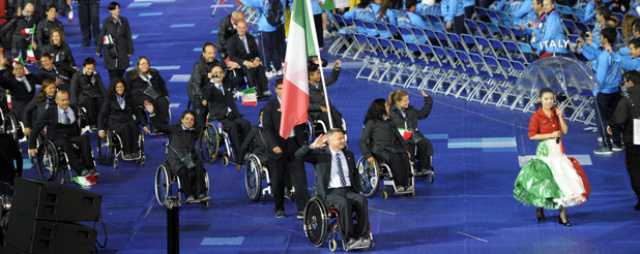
(396, 96)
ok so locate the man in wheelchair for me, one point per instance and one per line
(336, 181)
(64, 131)
(218, 93)
(317, 106)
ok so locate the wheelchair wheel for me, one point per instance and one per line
(369, 177)
(164, 184)
(252, 179)
(385, 195)
(309, 130)
(11, 126)
(208, 143)
(225, 161)
(141, 148)
(105, 149)
(316, 221)
(333, 245)
(47, 160)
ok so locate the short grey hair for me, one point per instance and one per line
(235, 13)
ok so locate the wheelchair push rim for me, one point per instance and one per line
(369, 177)
(105, 149)
(47, 161)
(163, 184)
(252, 178)
(208, 143)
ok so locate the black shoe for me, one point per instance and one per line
(637, 207)
(280, 214)
(564, 222)
(540, 214)
(93, 128)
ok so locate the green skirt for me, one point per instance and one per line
(536, 186)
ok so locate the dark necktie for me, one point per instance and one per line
(343, 181)
(66, 118)
(246, 46)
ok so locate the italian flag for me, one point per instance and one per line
(28, 31)
(249, 97)
(31, 57)
(70, 14)
(301, 45)
(406, 134)
(18, 60)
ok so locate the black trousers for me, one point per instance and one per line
(161, 104)
(92, 105)
(632, 160)
(400, 167)
(88, 15)
(192, 179)
(346, 201)
(289, 163)
(201, 113)
(19, 43)
(128, 133)
(336, 118)
(256, 77)
(317, 19)
(424, 150)
(458, 24)
(116, 73)
(84, 145)
(273, 48)
(237, 128)
(607, 104)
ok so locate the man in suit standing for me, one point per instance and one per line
(282, 158)
(336, 181)
(222, 107)
(243, 49)
(63, 130)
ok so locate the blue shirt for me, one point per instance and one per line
(451, 9)
(368, 14)
(626, 62)
(259, 5)
(608, 73)
(552, 31)
(409, 19)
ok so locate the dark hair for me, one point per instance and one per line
(610, 34)
(364, 3)
(376, 110)
(539, 2)
(42, 94)
(633, 76)
(89, 60)
(605, 12)
(386, 4)
(111, 91)
(46, 55)
(112, 6)
(410, 3)
(543, 91)
(635, 42)
(207, 45)
(311, 69)
(52, 7)
(279, 81)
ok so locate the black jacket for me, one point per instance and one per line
(111, 113)
(43, 31)
(181, 143)
(18, 88)
(55, 130)
(413, 115)
(35, 109)
(121, 34)
(225, 31)
(316, 95)
(61, 54)
(381, 137)
(217, 103)
(61, 71)
(198, 78)
(237, 52)
(18, 24)
(321, 160)
(83, 86)
(260, 146)
(271, 121)
(137, 85)
(625, 113)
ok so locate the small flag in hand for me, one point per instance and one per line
(28, 31)
(249, 97)
(18, 60)
(70, 15)
(107, 40)
(30, 55)
(406, 134)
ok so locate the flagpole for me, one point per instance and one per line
(315, 46)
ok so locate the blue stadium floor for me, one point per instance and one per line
(468, 209)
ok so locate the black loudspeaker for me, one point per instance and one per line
(54, 202)
(26, 235)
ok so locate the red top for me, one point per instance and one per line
(541, 124)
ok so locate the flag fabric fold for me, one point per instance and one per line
(406, 134)
(301, 45)
(249, 97)
(31, 57)
(70, 15)
(28, 31)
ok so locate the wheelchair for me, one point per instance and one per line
(211, 140)
(52, 160)
(314, 128)
(372, 173)
(110, 147)
(253, 177)
(13, 126)
(169, 186)
(317, 225)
